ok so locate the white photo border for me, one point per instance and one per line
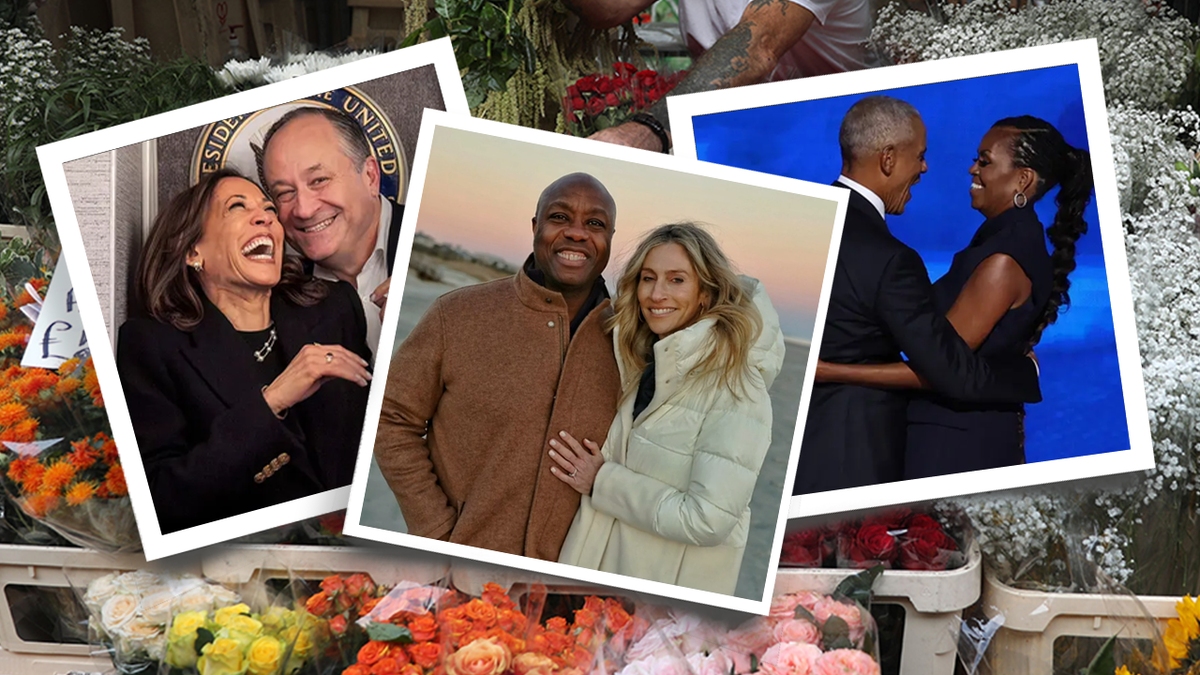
(1084, 55)
(429, 125)
(155, 544)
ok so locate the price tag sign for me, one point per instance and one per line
(58, 331)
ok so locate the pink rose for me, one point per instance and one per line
(797, 630)
(845, 662)
(752, 637)
(739, 661)
(716, 663)
(846, 611)
(784, 606)
(789, 658)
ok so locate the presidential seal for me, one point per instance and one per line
(237, 141)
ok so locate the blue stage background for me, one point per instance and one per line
(1083, 411)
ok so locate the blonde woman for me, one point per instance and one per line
(668, 496)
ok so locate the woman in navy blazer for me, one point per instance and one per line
(246, 384)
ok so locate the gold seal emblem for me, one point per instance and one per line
(237, 142)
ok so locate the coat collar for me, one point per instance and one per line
(864, 208)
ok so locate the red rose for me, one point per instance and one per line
(359, 584)
(611, 99)
(319, 604)
(373, 651)
(338, 625)
(921, 521)
(623, 68)
(578, 104)
(805, 548)
(876, 541)
(572, 117)
(573, 91)
(604, 85)
(926, 549)
(595, 105)
(586, 83)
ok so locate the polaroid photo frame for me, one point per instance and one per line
(476, 187)
(1093, 419)
(106, 187)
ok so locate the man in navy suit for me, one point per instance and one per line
(881, 304)
(318, 167)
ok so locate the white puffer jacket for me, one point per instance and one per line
(672, 501)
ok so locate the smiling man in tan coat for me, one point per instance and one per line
(492, 372)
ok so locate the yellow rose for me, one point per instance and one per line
(276, 619)
(481, 657)
(225, 614)
(181, 639)
(222, 657)
(264, 655)
(245, 624)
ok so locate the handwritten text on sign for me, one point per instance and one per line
(58, 332)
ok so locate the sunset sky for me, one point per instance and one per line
(481, 191)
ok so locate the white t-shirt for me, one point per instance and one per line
(834, 44)
(373, 273)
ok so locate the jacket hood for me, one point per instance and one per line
(766, 356)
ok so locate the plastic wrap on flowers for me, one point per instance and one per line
(804, 632)
(895, 539)
(415, 630)
(59, 463)
(135, 617)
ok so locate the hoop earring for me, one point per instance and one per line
(1020, 203)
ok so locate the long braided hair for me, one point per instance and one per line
(1039, 146)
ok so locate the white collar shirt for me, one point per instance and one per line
(373, 273)
(875, 200)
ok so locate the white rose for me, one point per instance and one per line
(138, 630)
(156, 607)
(118, 610)
(138, 582)
(223, 597)
(99, 591)
(199, 599)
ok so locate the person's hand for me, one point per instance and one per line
(630, 134)
(577, 464)
(313, 366)
(379, 296)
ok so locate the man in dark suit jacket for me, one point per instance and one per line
(317, 165)
(881, 304)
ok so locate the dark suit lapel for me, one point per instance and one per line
(218, 354)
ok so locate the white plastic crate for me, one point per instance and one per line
(62, 567)
(1033, 620)
(52, 664)
(933, 603)
(241, 564)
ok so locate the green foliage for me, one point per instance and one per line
(858, 587)
(386, 632)
(98, 80)
(1105, 662)
(488, 43)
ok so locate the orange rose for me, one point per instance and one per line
(494, 595)
(357, 669)
(424, 654)
(481, 613)
(481, 657)
(531, 663)
(424, 628)
(411, 669)
(593, 604)
(615, 616)
(369, 606)
(585, 618)
(373, 651)
(556, 624)
(580, 658)
(458, 628)
(359, 584)
(338, 625)
(452, 614)
(332, 584)
(387, 666)
(319, 604)
(510, 620)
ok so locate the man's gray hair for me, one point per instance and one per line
(354, 142)
(874, 123)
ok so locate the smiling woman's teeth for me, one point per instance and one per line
(259, 248)
(660, 312)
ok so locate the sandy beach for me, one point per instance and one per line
(380, 509)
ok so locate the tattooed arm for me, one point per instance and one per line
(745, 55)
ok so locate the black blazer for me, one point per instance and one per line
(204, 429)
(881, 304)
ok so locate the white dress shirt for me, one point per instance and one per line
(875, 199)
(373, 273)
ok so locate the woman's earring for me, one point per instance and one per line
(1019, 200)
(198, 266)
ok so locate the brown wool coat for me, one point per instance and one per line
(473, 397)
